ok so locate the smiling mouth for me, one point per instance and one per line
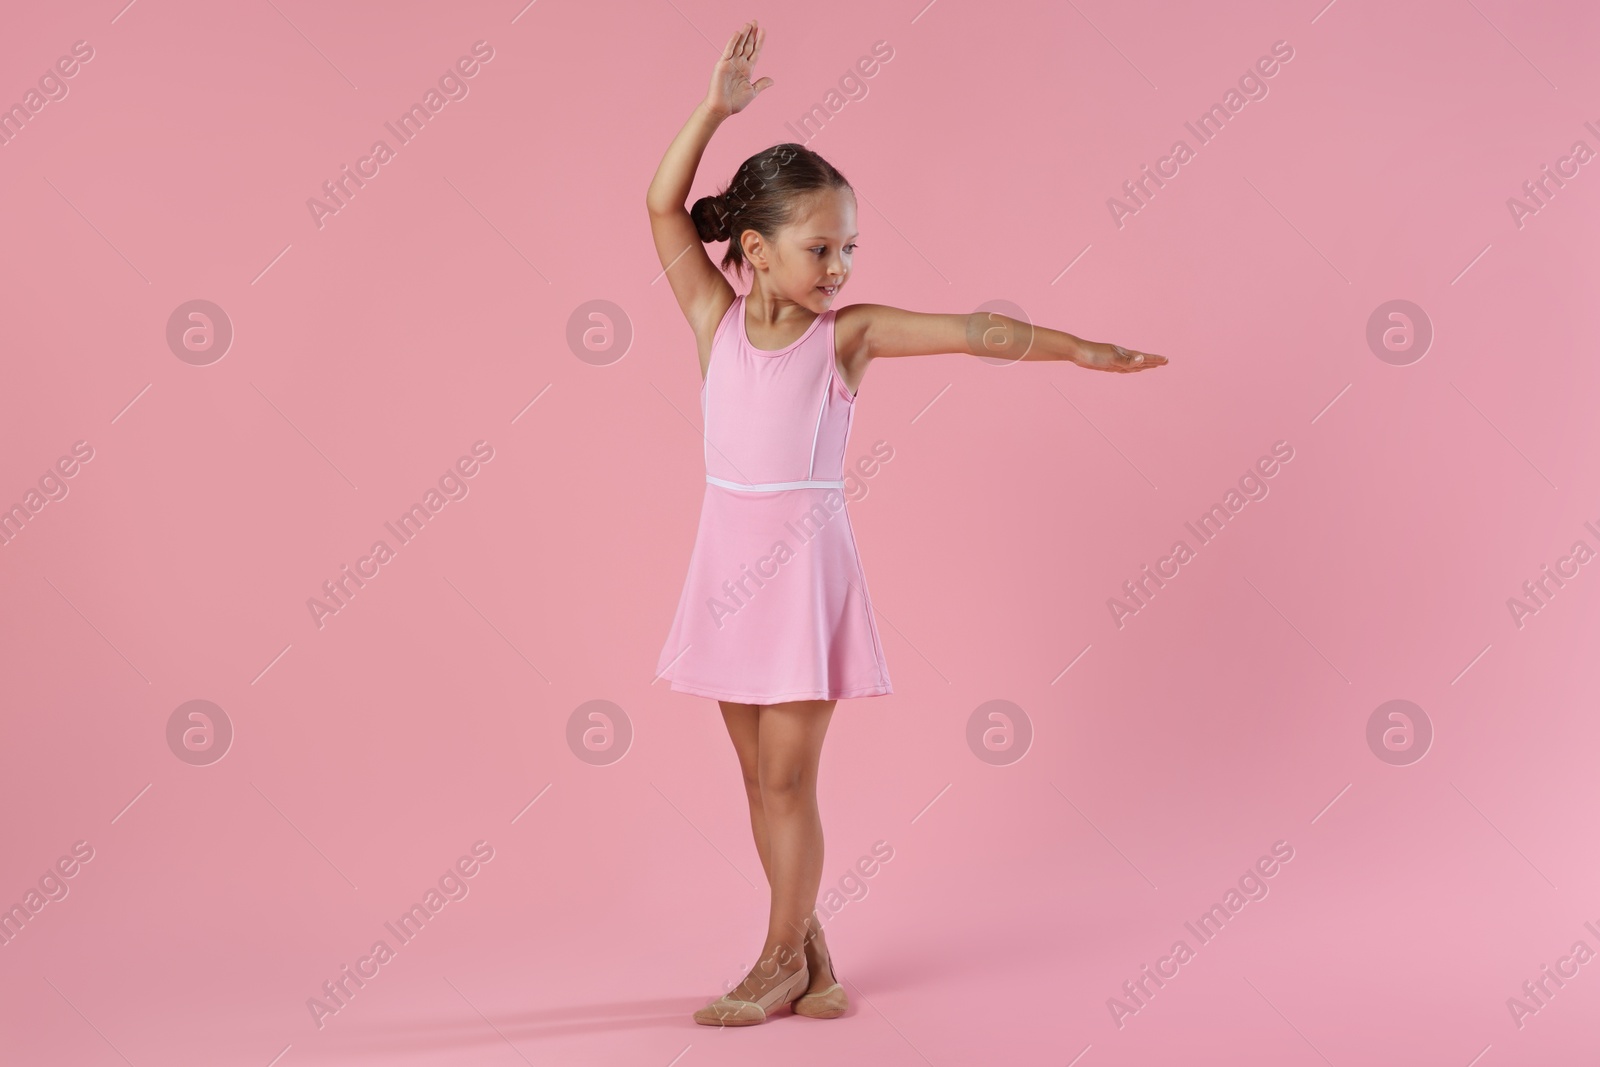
(829, 289)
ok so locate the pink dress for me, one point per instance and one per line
(775, 605)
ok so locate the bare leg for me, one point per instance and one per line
(742, 720)
(743, 727)
(787, 750)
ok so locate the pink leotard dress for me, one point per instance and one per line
(775, 605)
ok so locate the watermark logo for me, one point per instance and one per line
(199, 332)
(599, 332)
(999, 732)
(1399, 332)
(199, 732)
(987, 331)
(1399, 732)
(599, 732)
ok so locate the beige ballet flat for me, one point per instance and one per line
(727, 1011)
(828, 1004)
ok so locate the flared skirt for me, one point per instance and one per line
(775, 604)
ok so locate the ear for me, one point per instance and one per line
(755, 249)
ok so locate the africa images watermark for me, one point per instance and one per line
(452, 86)
(1252, 886)
(452, 486)
(1536, 994)
(1210, 123)
(1538, 190)
(52, 486)
(805, 528)
(852, 885)
(452, 885)
(831, 899)
(852, 88)
(1252, 486)
(52, 886)
(1537, 592)
(52, 89)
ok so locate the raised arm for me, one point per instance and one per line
(702, 292)
(890, 331)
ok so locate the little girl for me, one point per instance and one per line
(775, 622)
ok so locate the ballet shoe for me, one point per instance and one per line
(729, 1011)
(829, 1003)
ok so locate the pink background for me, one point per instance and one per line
(433, 310)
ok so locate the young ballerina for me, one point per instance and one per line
(774, 621)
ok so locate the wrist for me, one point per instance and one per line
(1093, 355)
(710, 112)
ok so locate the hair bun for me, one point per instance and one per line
(711, 219)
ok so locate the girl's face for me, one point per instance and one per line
(809, 262)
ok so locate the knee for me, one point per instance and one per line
(782, 790)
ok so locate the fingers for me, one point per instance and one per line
(736, 44)
(1144, 361)
(1130, 360)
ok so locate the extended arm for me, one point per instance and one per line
(890, 331)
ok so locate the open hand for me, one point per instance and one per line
(1115, 358)
(731, 90)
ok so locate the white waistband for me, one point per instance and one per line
(772, 487)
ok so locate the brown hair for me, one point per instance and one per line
(765, 194)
